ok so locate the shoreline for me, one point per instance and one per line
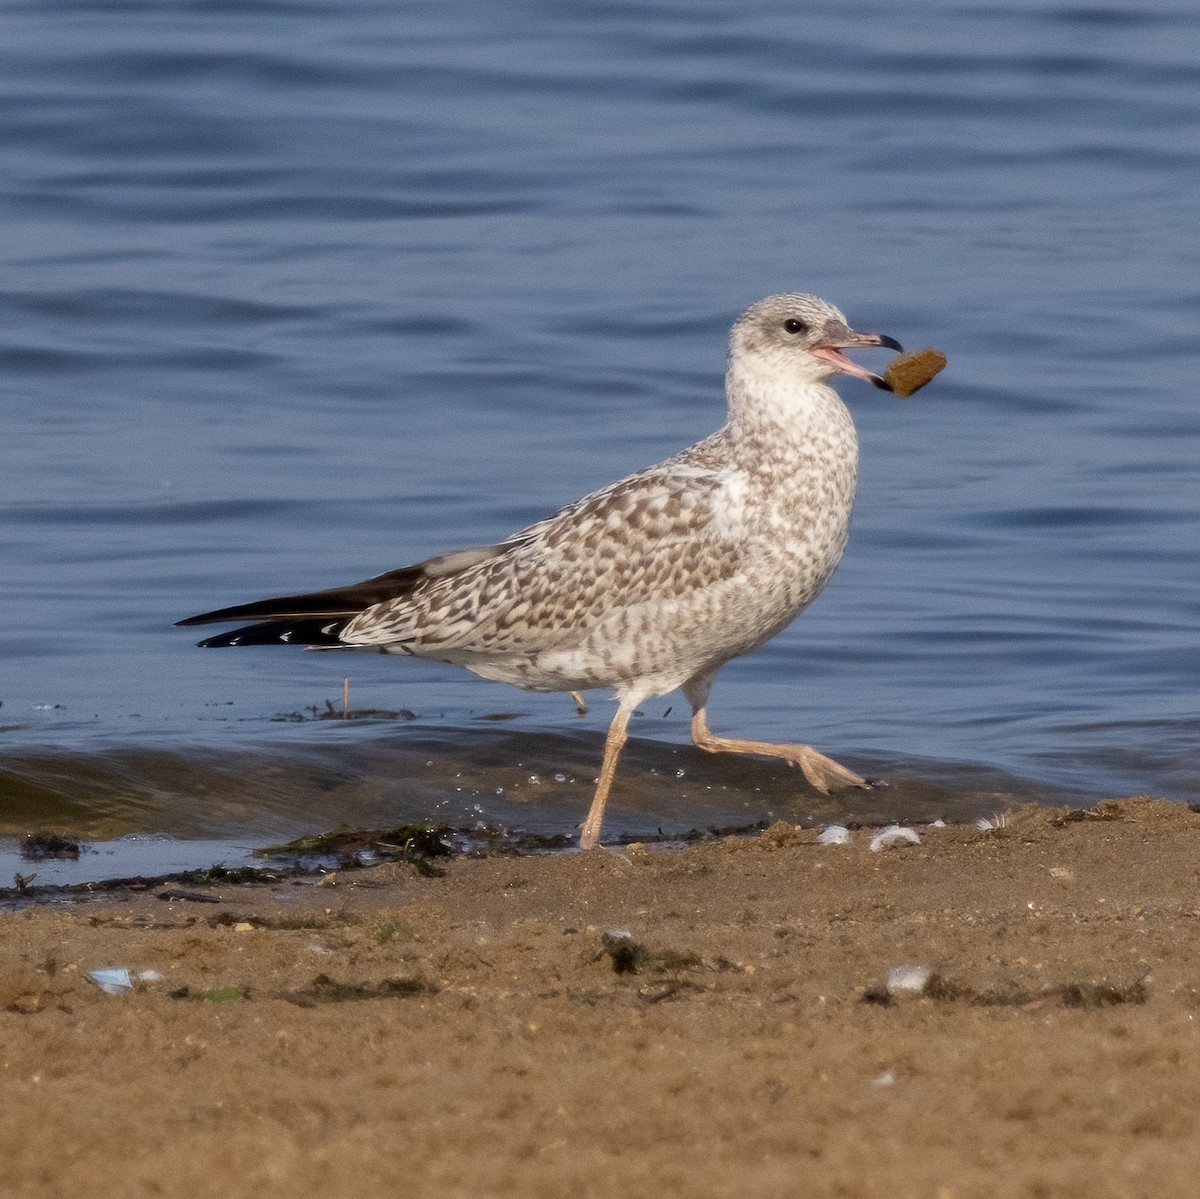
(720, 1019)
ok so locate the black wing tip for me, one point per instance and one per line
(221, 641)
(220, 615)
(250, 635)
(324, 632)
(335, 603)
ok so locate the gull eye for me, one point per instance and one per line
(792, 325)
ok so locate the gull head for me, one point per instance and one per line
(801, 338)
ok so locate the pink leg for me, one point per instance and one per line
(617, 736)
(823, 773)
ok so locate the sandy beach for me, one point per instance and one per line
(726, 1019)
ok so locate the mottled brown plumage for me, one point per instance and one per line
(653, 582)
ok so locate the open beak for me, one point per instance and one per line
(844, 338)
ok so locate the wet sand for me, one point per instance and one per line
(714, 1020)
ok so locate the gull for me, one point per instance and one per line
(652, 583)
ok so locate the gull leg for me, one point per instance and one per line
(617, 736)
(822, 773)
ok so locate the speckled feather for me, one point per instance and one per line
(652, 580)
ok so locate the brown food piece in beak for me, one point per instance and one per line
(910, 372)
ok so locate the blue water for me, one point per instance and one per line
(294, 294)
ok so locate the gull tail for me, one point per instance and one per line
(315, 619)
(317, 633)
(318, 617)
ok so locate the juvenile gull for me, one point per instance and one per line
(653, 582)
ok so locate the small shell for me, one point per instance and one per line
(908, 980)
(893, 835)
(835, 834)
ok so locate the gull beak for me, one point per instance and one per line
(839, 337)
